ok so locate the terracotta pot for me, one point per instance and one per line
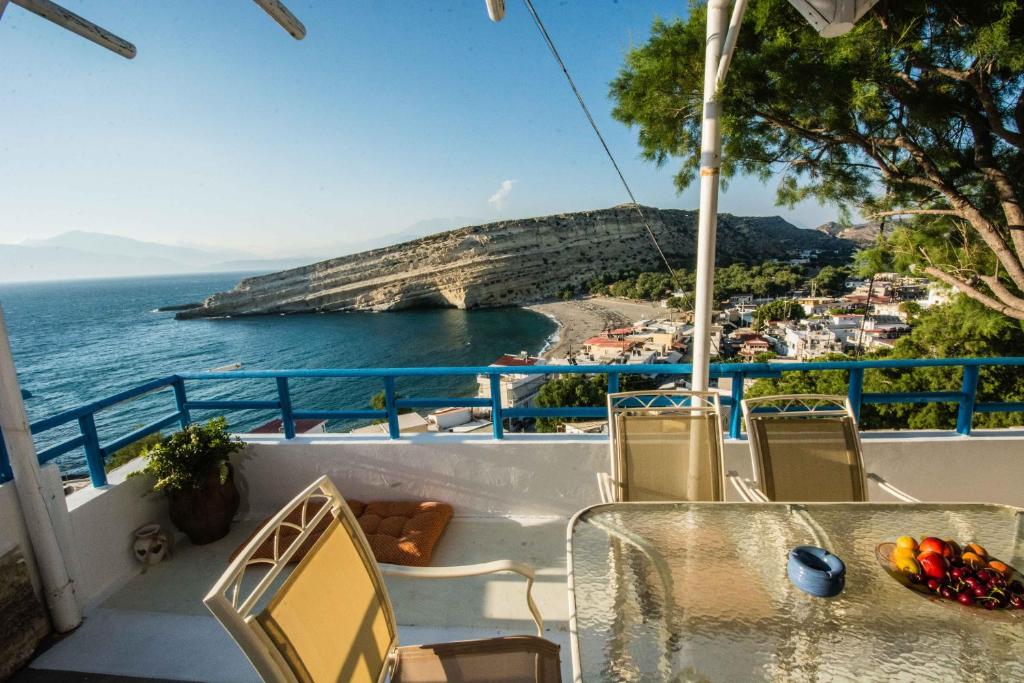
(205, 514)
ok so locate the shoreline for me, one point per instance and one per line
(579, 319)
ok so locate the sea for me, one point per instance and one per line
(76, 342)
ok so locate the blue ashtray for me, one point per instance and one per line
(816, 571)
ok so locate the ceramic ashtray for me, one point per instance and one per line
(816, 571)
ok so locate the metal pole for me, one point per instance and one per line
(60, 592)
(710, 162)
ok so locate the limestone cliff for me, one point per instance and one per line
(508, 262)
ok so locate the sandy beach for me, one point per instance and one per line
(580, 319)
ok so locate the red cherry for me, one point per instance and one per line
(933, 585)
(984, 575)
(965, 598)
(978, 591)
(948, 593)
(973, 582)
(1017, 601)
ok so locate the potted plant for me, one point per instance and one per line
(193, 468)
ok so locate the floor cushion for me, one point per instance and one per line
(399, 532)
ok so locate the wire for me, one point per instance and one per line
(593, 124)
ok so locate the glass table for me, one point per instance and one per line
(699, 591)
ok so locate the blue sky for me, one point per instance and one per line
(224, 131)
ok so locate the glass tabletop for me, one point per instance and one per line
(699, 591)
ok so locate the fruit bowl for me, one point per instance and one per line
(939, 571)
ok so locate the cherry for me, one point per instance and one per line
(979, 591)
(997, 582)
(972, 581)
(1016, 587)
(984, 575)
(957, 572)
(991, 604)
(947, 593)
(1017, 601)
(915, 578)
(965, 598)
(934, 585)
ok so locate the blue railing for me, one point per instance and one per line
(96, 452)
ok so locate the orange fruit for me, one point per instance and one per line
(899, 552)
(973, 560)
(976, 549)
(1000, 567)
(906, 542)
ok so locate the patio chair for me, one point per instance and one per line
(330, 618)
(806, 447)
(665, 445)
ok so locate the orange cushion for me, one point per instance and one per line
(399, 532)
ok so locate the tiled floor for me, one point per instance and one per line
(156, 626)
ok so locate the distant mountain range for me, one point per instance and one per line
(79, 254)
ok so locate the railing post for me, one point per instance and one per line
(496, 418)
(394, 431)
(285, 398)
(181, 401)
(856, 391)
(613, 382)
(735, 414)
(969, 388)
(93, 454)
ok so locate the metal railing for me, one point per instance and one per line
(97, 452)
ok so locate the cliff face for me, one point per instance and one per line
(507, 263)
(860, 234)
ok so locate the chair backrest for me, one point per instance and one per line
(330, 618)
(666, 445)
(805, 447)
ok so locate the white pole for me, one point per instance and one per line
(57, 586)
(710, 161)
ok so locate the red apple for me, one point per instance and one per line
(933, 564)
(935, 545)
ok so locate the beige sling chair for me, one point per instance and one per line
(665, 445)
(806, 447)
(330, 618)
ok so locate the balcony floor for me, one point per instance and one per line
(156, 626)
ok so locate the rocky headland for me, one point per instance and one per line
(510, 262)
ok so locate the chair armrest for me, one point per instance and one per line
(464, 570)
(747, 490)
(892, 490)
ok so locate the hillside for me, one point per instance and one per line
(861, 234)
(509, 262)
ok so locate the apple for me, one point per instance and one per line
(935, 545)
(933, 564)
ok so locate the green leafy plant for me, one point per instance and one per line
(133, 450)
(183, 460)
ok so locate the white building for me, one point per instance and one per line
(517, 389)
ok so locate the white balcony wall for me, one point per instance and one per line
(526, 475)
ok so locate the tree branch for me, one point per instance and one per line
(917, 212)
(975, 293)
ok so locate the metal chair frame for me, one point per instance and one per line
(686, 404)
(235, 607)
(802, 405)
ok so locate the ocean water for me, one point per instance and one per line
(76, 342)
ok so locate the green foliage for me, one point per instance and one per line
(830, 281)
(919, 107)
(183, 460)
(770, 278)
(681, 303)
(961, 328)
(780, 309)
(576, 391)
(131, 451)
